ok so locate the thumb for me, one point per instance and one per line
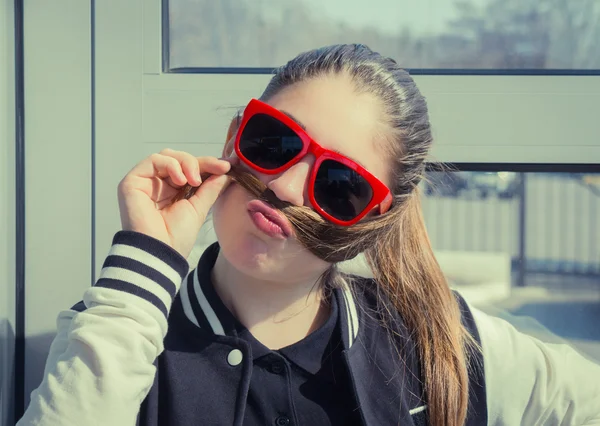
(208, 192)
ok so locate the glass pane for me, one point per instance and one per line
(492, 34)
(478, 223)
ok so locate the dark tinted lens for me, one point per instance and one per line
(340, 191)
(268, 143)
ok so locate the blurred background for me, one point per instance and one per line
(463, 34)
(512, 193)
(524, 241)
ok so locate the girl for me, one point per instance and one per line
(266, 330)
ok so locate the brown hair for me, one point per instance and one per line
(396, 244)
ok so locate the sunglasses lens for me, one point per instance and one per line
(268, 143)
(340, 191)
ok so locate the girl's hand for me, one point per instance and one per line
(146, 192)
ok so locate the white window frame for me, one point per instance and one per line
(140, 109)
(86, 127)
(57, 46)
(566, 106)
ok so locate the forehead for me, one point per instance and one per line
(338, 118)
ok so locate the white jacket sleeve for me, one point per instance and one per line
(100, 366)
(530, 383)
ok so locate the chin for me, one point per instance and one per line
(260, 260)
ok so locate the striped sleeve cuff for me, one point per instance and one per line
(145, 267)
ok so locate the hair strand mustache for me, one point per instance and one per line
(328, 241)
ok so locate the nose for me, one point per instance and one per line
(292, 184)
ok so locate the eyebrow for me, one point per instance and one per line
(298, 122)
(344, 155)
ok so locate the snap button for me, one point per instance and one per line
(235, 357)
(282, 421)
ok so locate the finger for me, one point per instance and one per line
(182, 156)
(195, 167)
(189, 165)
(213, 165)
(170, 169)
(161, 166)
(207, 194)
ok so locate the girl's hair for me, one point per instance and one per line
(396, 244)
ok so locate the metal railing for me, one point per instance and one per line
(548, 223)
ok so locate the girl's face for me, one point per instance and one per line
(338, 118)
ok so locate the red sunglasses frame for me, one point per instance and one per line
(382, 196)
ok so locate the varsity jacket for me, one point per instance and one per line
(146, 347)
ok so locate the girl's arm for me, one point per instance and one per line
(100, 366)
(529, 382)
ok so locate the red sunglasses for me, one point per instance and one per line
(339, 189)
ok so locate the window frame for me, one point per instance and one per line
(165, 53)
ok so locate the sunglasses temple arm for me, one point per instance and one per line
(386, 203)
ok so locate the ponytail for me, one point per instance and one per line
(408, 274)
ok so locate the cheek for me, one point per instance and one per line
(234, 197)
(228, 210)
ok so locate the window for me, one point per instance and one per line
(464, 34)
(525, 243)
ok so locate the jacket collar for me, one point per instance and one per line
(193, 294)
(203, 307)
(362, 351)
